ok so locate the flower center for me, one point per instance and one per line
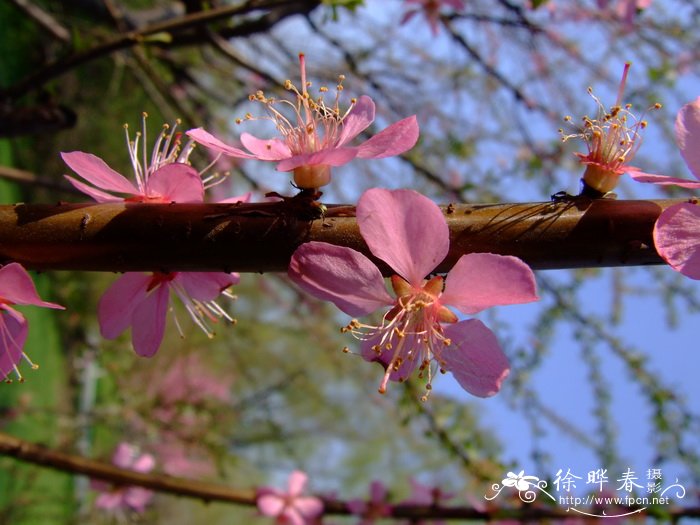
(411, 334)
(612, 139)
(314, 126)
(159, 278)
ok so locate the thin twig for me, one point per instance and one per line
(132, 38)
(27, 178)
(44, 19)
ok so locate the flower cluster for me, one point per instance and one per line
(182, 401)
(118, 498)
(142, 300)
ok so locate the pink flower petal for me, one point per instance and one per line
(137, 498)
(98, 195)
(340, 275)
(292, 516)
(329, 157)
(377, 492)
(296, 483)
(13, 334)
(144, 463)
(176, 182)
(266, 149)
(205, 286)
(475, 358)
(270, 504)
(360, 117)
(124, 455)
(394, 140)
(677, 238)
(210, 141)
(663, 180)
(688, 135)
(309, 507)
(116, 306)
(404, 229)
(482, 280)
(17, 287)
(148, 321)
(109, 500)
(96, 171)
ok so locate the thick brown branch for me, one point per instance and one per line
(262, 237)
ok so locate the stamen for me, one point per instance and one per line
(621, 89)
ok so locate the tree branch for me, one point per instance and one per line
(42, 456)
(136, 37)
(31, 453)
(262, 237)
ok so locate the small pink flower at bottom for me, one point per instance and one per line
(317, 137)
(613, 139)
(376, 508)
(16, 287)
(290, 507)
(409, 233)
(431, 10)
(142, 301)
(427, 495)
(677, 230)
(121, 498)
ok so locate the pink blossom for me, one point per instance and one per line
(114, 497)
(187, 379)
(429, 496)
(139, 300)
(16, 287)
(376, 508)
(179, 458)
(290, 507)
(317, 136)
(677, 230)
(431, 11)
(625, 10)
(186, 398)
(142, 301)
(166, 178)
(409, 233)
(612, 138)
